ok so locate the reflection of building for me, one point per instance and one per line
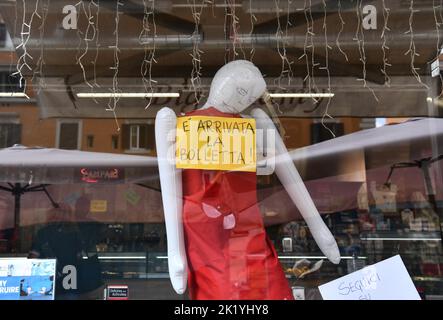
(20, 123)
(132, 245)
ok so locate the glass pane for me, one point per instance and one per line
(338, 104)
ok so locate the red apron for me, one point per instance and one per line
(229, 254)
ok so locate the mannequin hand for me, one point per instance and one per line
(293, 183)
(326, 242)
(178, 273)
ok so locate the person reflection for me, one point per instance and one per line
(71, 238)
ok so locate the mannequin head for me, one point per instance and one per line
(235, 87)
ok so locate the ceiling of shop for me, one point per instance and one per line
(66, 51)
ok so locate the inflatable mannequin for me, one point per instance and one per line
(215, 234)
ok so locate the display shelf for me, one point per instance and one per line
(288, 256)
(401, 236)
(313, 277)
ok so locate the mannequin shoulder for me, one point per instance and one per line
(258, 113)
(255, 113)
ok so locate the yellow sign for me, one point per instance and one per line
(216, 143)
(99, 206)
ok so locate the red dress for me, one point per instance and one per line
(229, 254)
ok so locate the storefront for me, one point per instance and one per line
(353, 88)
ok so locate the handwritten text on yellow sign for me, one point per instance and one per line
(216, 143)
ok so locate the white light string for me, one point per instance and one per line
(89, 36)
(113, 101)
(285, 58)
(438, 24)
(412, 51)
(384, 47)
(226, 36)
(342, 27)
(79, 33)
(234, 28)
(286, 65)
(440, 11)
(25, 36)
(38, 70)
(12, 63)
(253, 20)
(196, 11)
(97, 43)
(233, 35)
(307, 78)
(311, 46)
(149, 56)
(326, 68)
(360, 38)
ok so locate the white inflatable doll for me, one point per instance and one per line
(217, 244)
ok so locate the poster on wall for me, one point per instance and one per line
(27, 279)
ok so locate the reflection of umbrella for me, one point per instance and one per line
(423, 140)
(384, 146)
(326, 163)
(21, 164)
(24, 169)
(424, 165)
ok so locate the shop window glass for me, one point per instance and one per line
(361, 117)
(10, 134)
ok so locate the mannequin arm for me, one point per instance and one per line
(292, 182)
(171, 186)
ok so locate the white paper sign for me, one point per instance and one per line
(385, 280)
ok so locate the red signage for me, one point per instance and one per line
(91, 175)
